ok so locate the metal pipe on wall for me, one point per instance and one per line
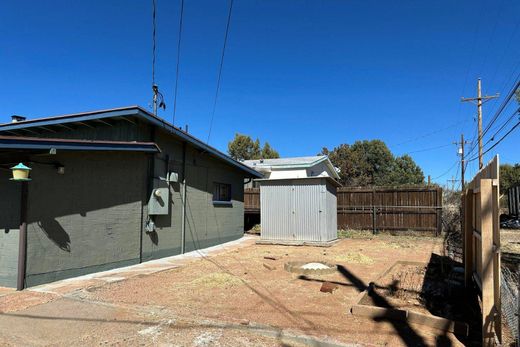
(184, 191)
(22, 242)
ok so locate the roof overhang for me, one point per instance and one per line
(28, 143)
(126, 113)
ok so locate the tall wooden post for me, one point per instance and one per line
(468, 236)
(489, 310)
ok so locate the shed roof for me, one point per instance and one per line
(126, 113)
(292, 163)
(287, 162)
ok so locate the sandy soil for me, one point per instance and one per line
(228, 299)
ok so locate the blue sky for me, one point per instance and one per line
(300, 74)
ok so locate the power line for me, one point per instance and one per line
(502, 126)
(503, 105)
(158, 99)
(501, 139)
(220, 70)
(447, 171)
(153, 40)
(178, 62)
(428, 149)
(413, 139)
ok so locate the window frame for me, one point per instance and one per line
(218, 196)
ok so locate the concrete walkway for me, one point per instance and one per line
(147, 268)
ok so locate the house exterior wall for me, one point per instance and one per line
(93, 217)
(297, 210)
(9, 229)
(88, 219)
(207, 224)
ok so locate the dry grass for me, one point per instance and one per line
(355, 234)
(217, 280)
(355, 258)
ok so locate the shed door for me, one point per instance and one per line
(307, 211)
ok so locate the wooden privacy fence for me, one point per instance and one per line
(482, 246)
(418, 208)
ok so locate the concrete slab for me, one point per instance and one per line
(147, 268)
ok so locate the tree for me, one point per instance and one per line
(407, 171)
(371, 163)
(244, 148)
(509, 177)
(268, 152)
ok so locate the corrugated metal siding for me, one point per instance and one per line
(332, 215)
(298, 210)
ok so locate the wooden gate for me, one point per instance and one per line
(482, 246)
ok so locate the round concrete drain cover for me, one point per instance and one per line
(310, 267)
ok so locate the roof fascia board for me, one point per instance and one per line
(188, 138)
(68, 119)
(81, 146)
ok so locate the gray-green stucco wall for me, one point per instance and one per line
(88, 219)
(207, 224)
(9, 229)
(92, 218)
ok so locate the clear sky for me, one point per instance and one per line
(299, 74)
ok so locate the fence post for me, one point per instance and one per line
(439, 212)
(374, 225)
(489, 309)
(468, 236)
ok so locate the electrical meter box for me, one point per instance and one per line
(158, 204)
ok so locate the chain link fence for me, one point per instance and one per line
(509, 293)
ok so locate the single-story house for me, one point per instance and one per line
(297, 200)
(110, 188)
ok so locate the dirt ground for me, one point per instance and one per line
(235, 298)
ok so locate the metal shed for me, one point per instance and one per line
(298, 210)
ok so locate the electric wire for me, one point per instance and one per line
(420, 137)
(217, 91)
(447, 171)
(428, 149)
(500, 140)
(154, 5)
(492, 138)
(502, 106)
(179, 41)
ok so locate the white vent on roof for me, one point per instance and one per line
(16, 118)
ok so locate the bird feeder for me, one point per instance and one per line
(20, 172)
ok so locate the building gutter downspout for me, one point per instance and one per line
(184, 191)
(22, 242)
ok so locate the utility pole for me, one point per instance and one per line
(453, 180)
(462, 159)
(480, 100)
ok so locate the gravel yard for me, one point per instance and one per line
(239, 296)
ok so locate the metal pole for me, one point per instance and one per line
(22, 242)
(184, 191)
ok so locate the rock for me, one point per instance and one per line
(270, 257)
(328, 287)
(269, 267)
